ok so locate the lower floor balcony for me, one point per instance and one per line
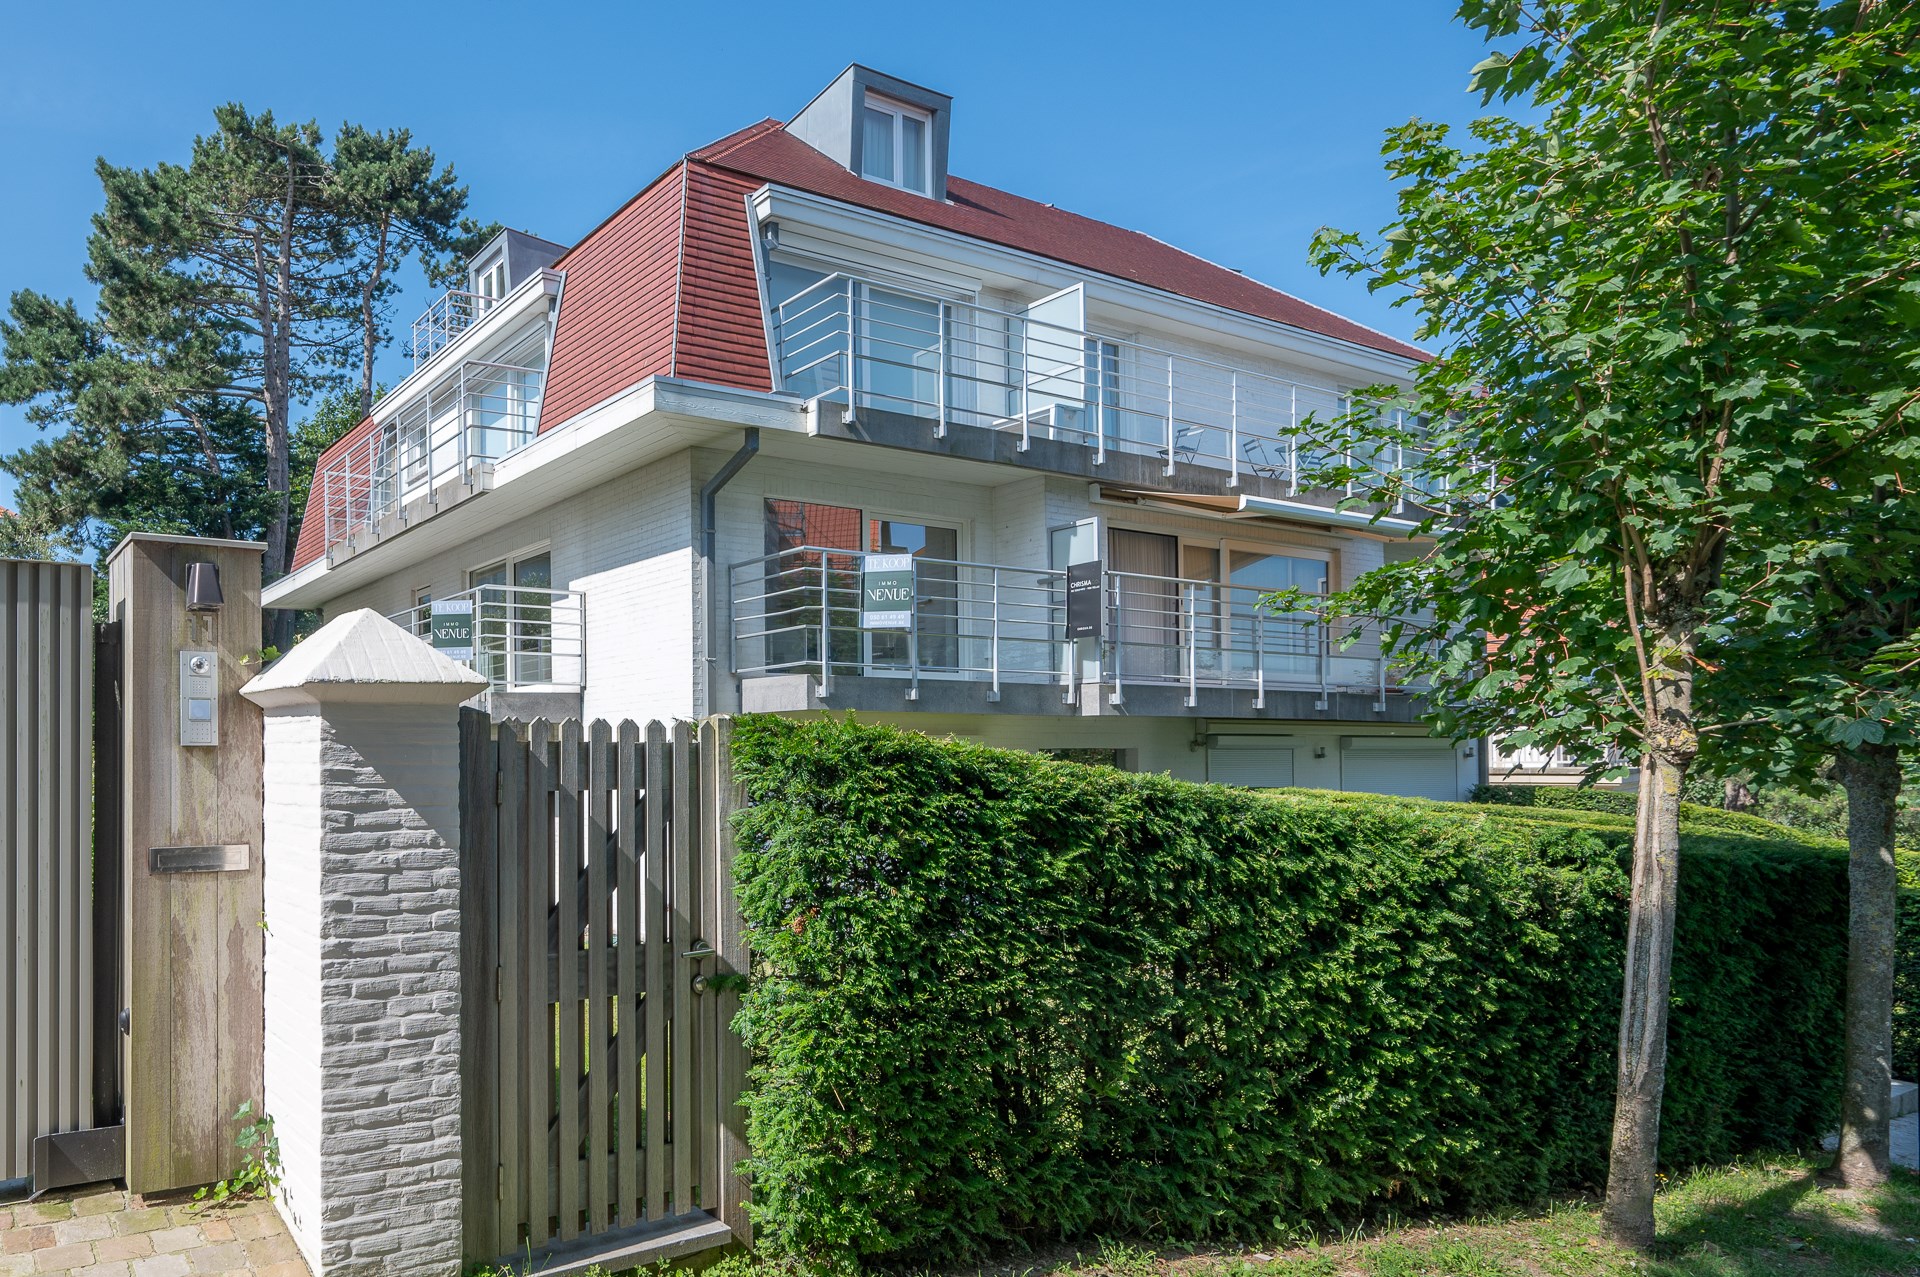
(521, 638)
(819, 627)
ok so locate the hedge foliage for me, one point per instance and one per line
(1780, 812)
(1615, 802)
(1002, 997)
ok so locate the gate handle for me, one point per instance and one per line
(701, 950)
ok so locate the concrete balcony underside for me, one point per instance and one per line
(798, 693)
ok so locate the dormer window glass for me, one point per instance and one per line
(894, 147)
(490, 281)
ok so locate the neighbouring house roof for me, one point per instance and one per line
(666, 285)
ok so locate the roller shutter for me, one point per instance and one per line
(1252, 765)
(1414, 768)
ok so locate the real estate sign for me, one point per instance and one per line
(450, 625)
(1083, 600)
(886, 592)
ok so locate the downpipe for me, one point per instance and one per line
(709, 495)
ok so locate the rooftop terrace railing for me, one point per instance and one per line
(445, 318)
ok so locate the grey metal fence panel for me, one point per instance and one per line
(46, 848)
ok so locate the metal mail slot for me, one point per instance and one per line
(199, 860)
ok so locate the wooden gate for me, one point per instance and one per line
(601, 953)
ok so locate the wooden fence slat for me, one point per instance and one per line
(657, 1000)
(732, 961)
(683, 1125)
(537, 1069)
(567, 950)
(628, 892)
(513, 904)
(479, 1032)
(706, 1003)
(600, 1057)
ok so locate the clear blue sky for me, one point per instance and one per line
(1232, 131)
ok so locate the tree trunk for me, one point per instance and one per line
(1871, 776)
(1735, 796)
(1634, 1162)
(369, 328)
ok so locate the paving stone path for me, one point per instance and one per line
(107, 1232)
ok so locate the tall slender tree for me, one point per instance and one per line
(1636, 291)
(232, 277)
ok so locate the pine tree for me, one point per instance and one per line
(232, 289)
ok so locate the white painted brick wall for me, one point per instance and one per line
(291, 860)
(363, 983)
(629, 546)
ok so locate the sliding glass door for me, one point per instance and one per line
(936, 605)
(1281, 641)
(898, 364)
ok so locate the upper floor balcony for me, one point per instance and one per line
(474, 397)
(448, 432)
(1181, 644)
(1037, 373)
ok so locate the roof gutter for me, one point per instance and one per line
(709, 495)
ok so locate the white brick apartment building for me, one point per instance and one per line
(674, 468)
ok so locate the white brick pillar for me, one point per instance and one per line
(361, 856)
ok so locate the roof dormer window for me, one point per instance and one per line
(894, 144)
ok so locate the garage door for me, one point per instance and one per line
(1252, 765)
(1415, 768)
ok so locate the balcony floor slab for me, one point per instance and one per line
(1132, 470)
(799, 693)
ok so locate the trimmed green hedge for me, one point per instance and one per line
(1002, 997)
(1616, 802)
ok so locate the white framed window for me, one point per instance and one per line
(490, 281)
(423, 612)
(896, 144)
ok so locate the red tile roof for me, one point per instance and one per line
(616, 322)
(768, 152)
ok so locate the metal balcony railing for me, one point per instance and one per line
(479, 413)
(449, 315)
(799, 612)
(523, 638)
(865, 345)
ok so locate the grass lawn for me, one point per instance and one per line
(1764, 1217)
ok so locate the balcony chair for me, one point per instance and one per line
(1258, 459)
(1186, 445)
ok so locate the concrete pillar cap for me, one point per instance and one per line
(363, 657)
